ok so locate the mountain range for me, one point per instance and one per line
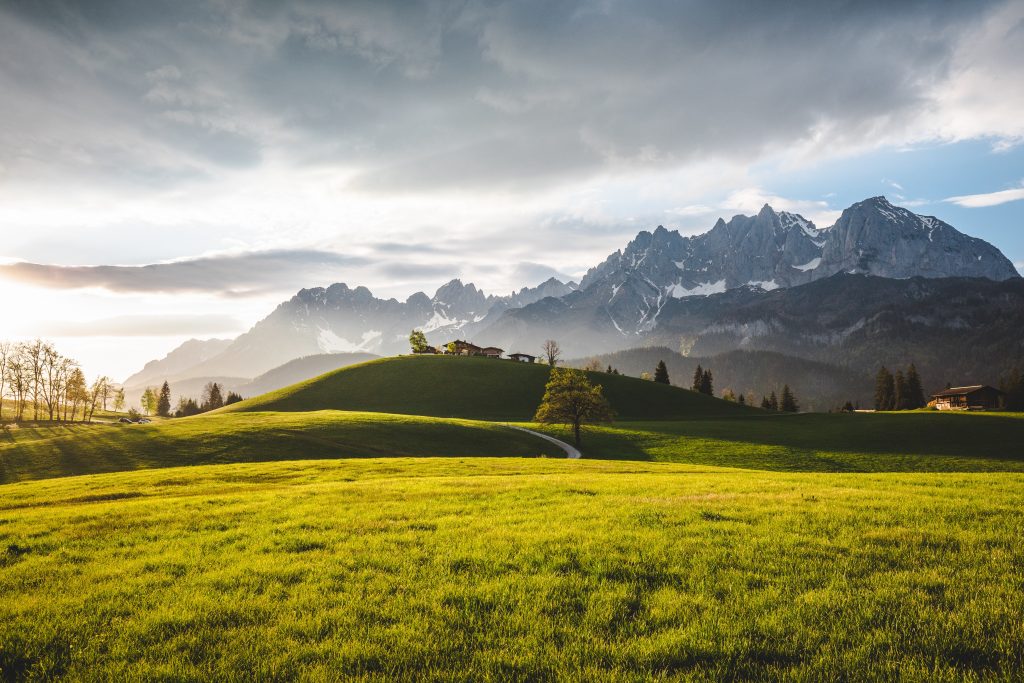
(881, 285)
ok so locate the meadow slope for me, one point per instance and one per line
(475, 388)
(508, 569)
(64, 450)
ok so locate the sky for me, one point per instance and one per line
(176, 169)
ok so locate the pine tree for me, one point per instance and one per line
(698, 378)
(706, 384)
(163, 403)
(765, 403)
(885, 389)
(212, 398)
(742, 400)
(899, 396)
(788, 400)
(661, 373)
(773, 402)
(915, 394)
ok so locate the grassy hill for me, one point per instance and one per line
(63, 450)
(510, 569)
(475, 388)
(925, 441)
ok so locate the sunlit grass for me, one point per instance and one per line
(476, 569)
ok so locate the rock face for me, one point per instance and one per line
(873, 237)
(339, 319)
(779, 249)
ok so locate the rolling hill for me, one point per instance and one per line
(474, 388)
(76, 449)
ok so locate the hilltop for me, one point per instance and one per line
(475, 388)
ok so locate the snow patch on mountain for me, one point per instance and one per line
(810, 265)
(677, 291)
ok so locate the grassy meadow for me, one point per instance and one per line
(305, 535)
(510, 569)
(44, 451)
(476, 389)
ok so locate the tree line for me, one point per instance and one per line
(157, 401)
(898, 391)
(38, 382)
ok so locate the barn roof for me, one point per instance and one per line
(962, 391)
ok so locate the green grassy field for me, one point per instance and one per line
(509, 569)
(285, 538)
(475, 388)
(63, 450)
(876, 442)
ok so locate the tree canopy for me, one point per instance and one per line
(570, 399)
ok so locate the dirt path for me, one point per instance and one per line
(572, 452)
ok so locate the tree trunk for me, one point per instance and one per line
(576, 432)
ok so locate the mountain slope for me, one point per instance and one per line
(338, 319)
(474, 388)
(180, 360)
(772, 250)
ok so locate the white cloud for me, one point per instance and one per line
(975, 201)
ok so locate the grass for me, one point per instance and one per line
(509, 569)
(61, 450)
(875, 442)
(475, 388)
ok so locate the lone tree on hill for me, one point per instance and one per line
(661, 373)
(163, 403)
(788, 400)
(552, 351)
(418, 341)
(773, 402)
(698, 378)
(570, 399)
(885, 390)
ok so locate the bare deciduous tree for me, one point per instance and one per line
(552, 351)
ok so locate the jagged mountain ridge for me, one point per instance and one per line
(779, 249)
(622, 302)
(340, 319)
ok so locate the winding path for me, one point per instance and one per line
(572, 452)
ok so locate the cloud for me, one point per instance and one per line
(247, 274)
(975, 201)
(140, 326)
(414, 96)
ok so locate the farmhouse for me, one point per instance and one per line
(463, 348)
(975, 397)
(491, 352)
(522, 357)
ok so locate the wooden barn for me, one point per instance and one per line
(463, 348)
(974, 397)
(491, 352)
(522, 357)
